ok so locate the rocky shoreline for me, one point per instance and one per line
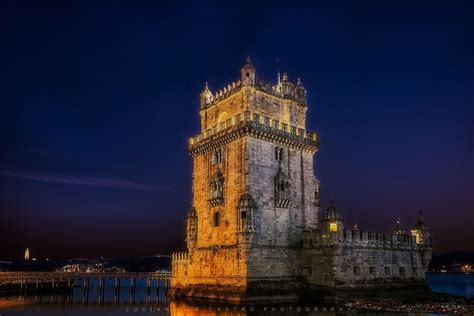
(438, 303)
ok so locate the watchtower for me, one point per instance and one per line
(254, 190)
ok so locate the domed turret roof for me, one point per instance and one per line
(331, 213)
(218, 175)
(192, 212)
(248, 64)
(420, 223)
(247, 201)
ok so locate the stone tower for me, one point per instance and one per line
(254, 192)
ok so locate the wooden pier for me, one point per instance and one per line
(38, 283)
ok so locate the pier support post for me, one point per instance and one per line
(132, 290)
(117, 290)
(85, 294)
(21, 288)
(26, 289)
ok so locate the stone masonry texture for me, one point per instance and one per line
(254, 230)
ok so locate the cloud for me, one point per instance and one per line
(84, 180)
(36, 151)
(399, 181)
(112, 208)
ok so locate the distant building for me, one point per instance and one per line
(27, 254)
(253, 230)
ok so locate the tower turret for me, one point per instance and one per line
(206, 97)
(398, 228)
(421, 231)
(300, 92)
(286, 87)
(191, 228)
(422, 234)
(332, 220)
(248, 73)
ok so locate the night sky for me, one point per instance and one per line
(98, 100)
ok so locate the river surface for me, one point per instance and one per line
(452, 283)
(157, 303)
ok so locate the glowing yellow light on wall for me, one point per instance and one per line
(222, 117)
(416, 233)
(333, 227)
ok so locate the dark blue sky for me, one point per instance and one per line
(98, 100)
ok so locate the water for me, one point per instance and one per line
(452, 283)
(157, 303)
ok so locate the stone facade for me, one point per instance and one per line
(253, 231)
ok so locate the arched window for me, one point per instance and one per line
(282, 190)
(216, 219)
(216, 189)
(217, 156)
(245, 208)
(279, 154)
(317, 198)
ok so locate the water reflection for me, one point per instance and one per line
(154, 301)
(195, 308)
(61, 306)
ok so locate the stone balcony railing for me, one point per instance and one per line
(258, 123)
(180, 257)
(216, 198)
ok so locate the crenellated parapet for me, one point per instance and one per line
(332, 232)
(358, 238)
(209, 99)
(284, 90)
(257, 126)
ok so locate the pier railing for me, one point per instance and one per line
(23, 283)
(64, 276)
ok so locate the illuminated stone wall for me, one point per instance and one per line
(255, 232)
(232, 168)
(246, 122)
(353, 258)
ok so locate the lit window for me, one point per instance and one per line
(333, 227)
(416, 233)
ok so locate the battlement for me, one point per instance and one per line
(209, 99)
(284, 90)
(261, 126)
(357, 238)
